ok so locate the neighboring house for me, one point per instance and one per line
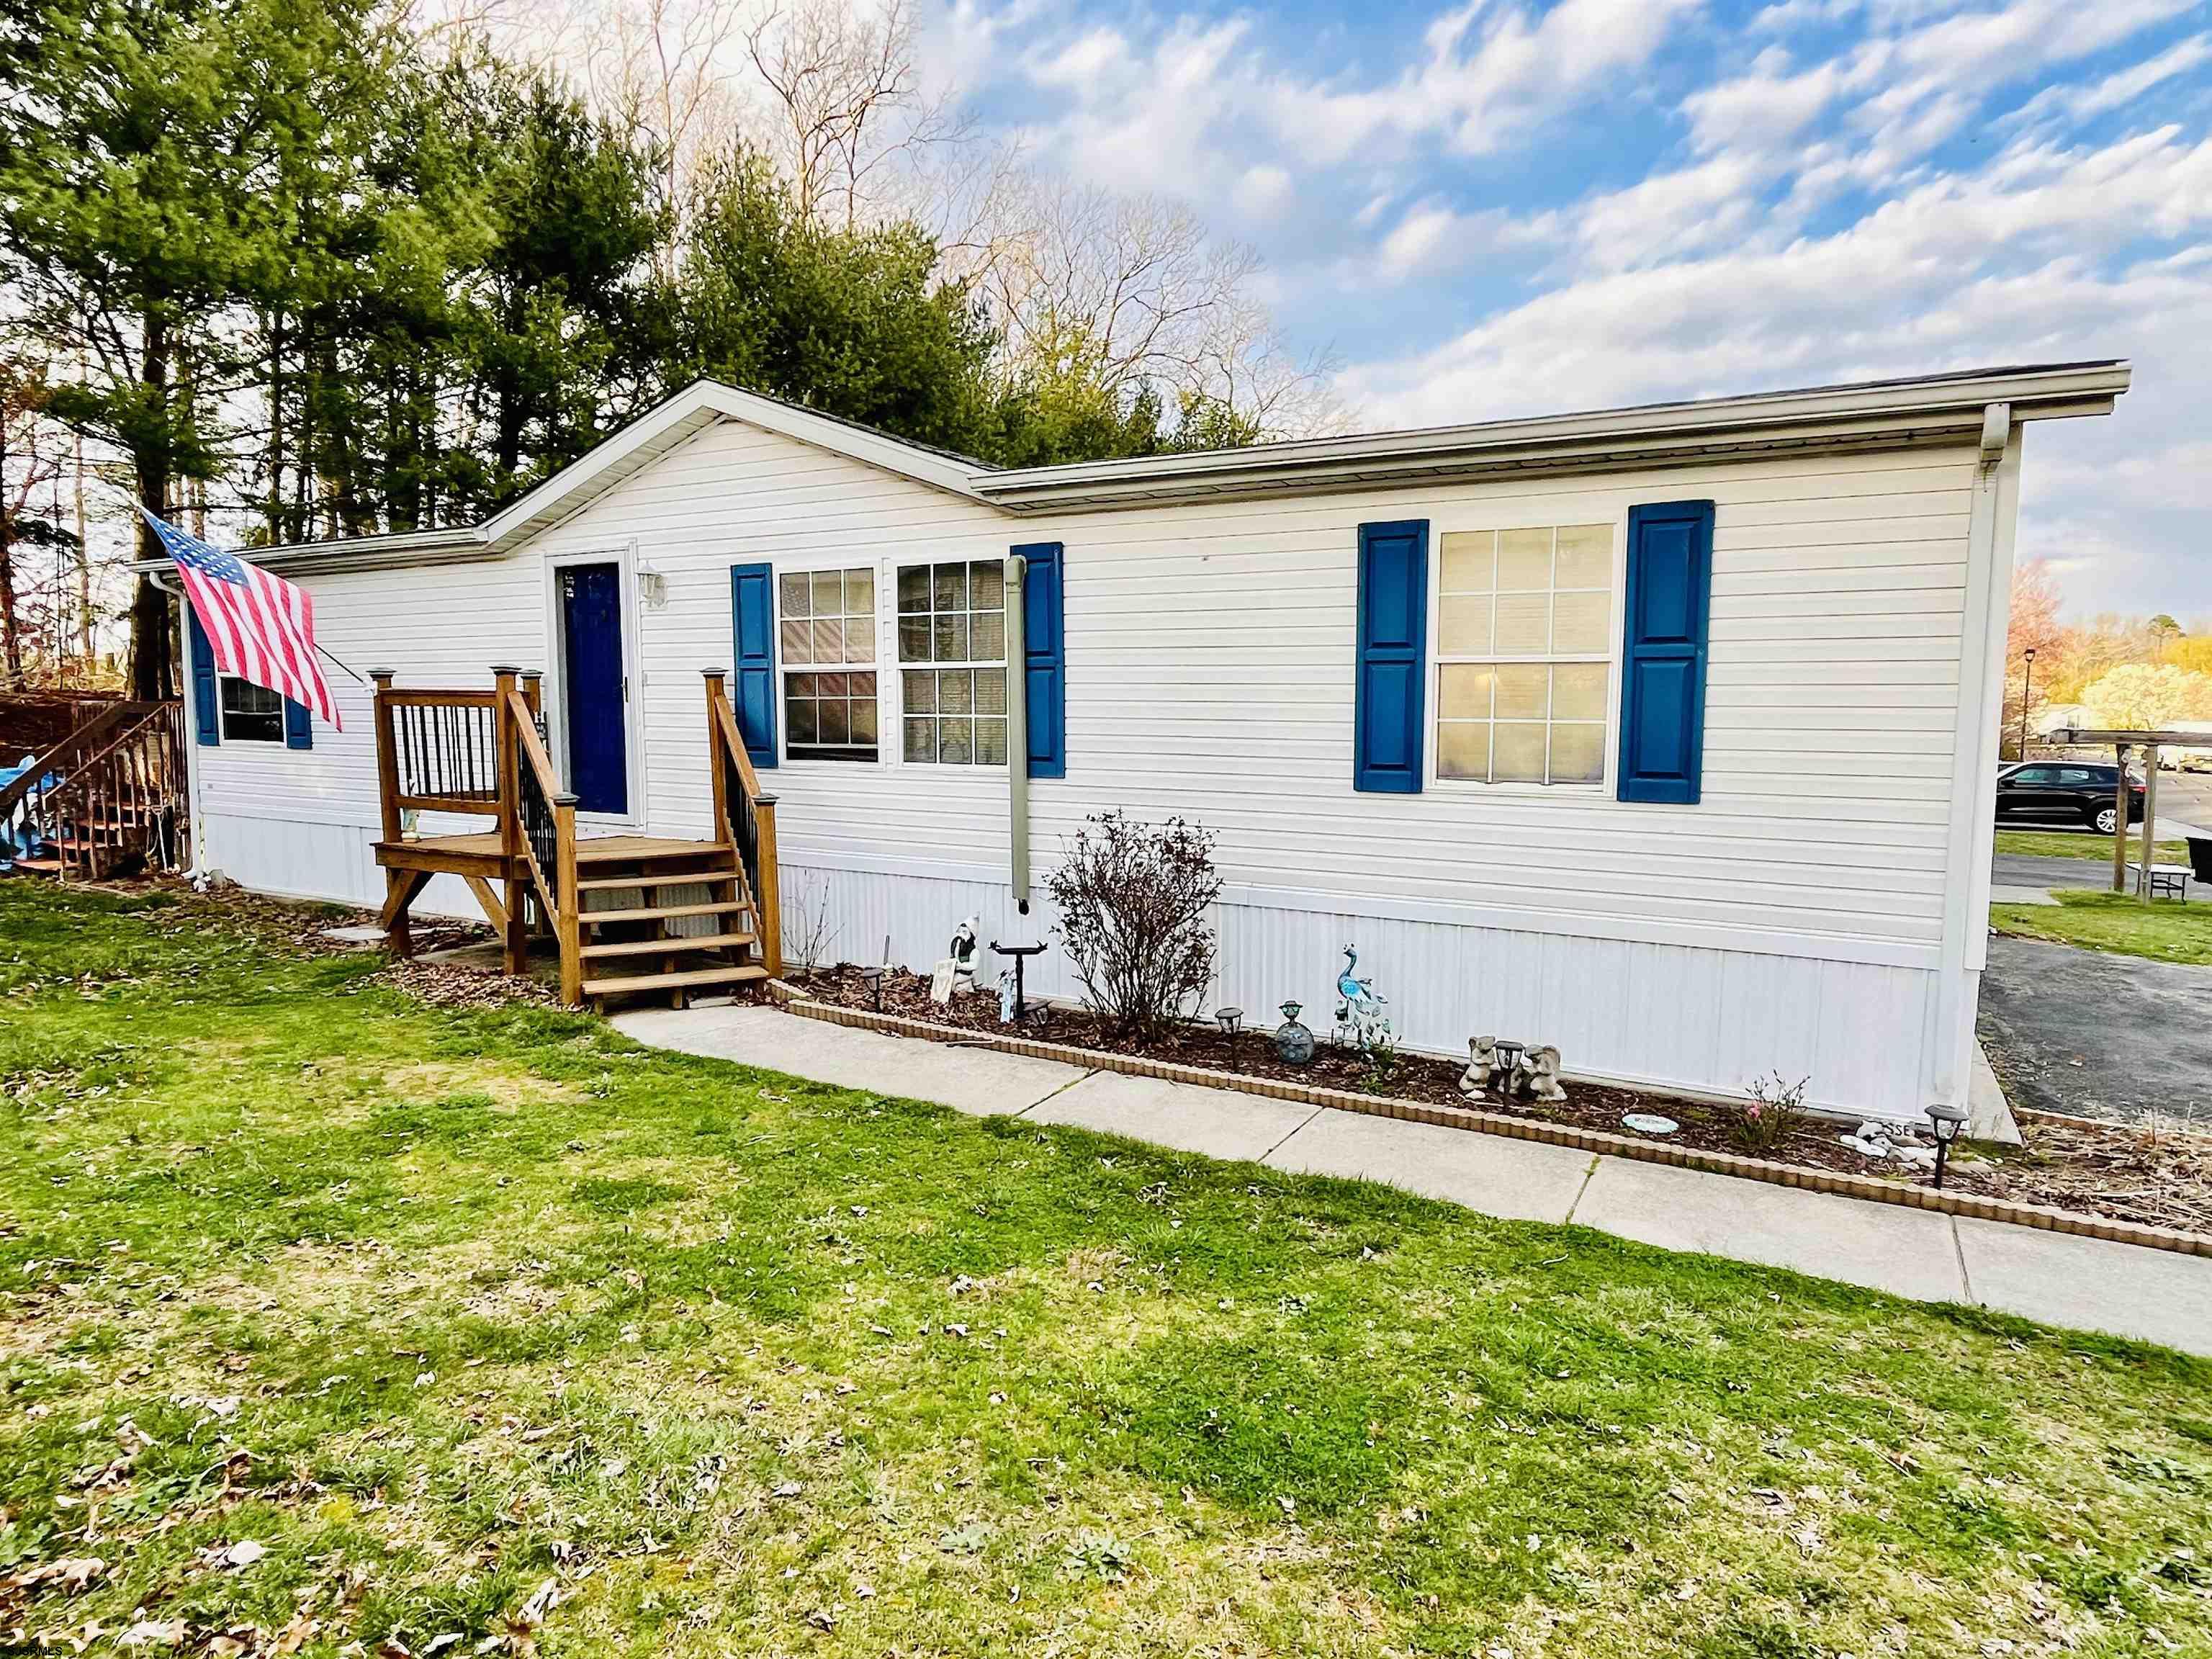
(1666, 734)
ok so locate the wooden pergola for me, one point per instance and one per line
(2150, 741)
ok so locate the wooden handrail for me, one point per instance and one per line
(107, 800)
(531, 753)
(422, 698)
(748, 822)
(68, 751)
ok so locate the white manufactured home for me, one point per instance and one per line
(1665, 735)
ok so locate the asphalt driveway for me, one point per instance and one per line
(2096, 1035)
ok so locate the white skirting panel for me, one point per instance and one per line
(1687, 1017)
(1690, 1018)
(316, 860)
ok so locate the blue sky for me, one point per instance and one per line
(1511, 207)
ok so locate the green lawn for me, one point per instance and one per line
(2078, 844)
(2165, 930)
(439, 1309)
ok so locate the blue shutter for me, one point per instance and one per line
(1044, 660)
(1394, 636)
(1662, 690)
(207, 709)
(298, 726)
(752, 619)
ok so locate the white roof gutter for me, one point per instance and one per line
(1898, 413)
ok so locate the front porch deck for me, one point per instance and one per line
(481, 753)
(483, 854)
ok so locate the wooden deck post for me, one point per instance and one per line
(515, 936)
(769, 898)
(719, 774)
(397, 937)
(2120, 828)
(568, 901)
(2151, 812)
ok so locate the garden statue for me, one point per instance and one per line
(1360, 1021)
(1538, 1075)
(1481, 1066)
(1294, 1043)
(956, 972)
(1006, 996)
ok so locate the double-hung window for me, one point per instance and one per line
(1524, 628)
(952, 663)
(251, 713)
(827, 648)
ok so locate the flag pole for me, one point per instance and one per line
(320, 652)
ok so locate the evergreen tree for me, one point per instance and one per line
(128, 218)
(846, 321)
(556, 325)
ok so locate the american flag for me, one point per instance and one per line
(262, 628)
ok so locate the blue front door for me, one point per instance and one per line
(591, 652)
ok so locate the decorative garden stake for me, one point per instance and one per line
(1360, 1021)
(1948, 1120)
(1294, 1044)
(1229, 1019)
(1013, 1002)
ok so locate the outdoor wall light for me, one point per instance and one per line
(1947, 1121)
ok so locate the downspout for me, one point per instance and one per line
(194, 814)
(1017, 733)
(1981, 700)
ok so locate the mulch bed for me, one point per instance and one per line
(2154, 1177)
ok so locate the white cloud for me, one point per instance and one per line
(1803, 214)
(1958, 271)
(2122, 87)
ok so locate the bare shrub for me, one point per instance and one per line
(1775, 1112)
(810, 933)
(1133, 900)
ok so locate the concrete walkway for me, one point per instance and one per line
(2088, 1283)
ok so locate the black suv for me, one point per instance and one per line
(2066, 790)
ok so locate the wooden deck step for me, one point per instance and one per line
(660, 878)
(641, 849)
(674, 944)
(734, 974)
(656, 913)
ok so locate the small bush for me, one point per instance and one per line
(1135, 901)
(1775, 1112)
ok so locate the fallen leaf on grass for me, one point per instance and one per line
(153, 1632)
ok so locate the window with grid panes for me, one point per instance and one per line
(952, 663)
(826, 647)
(1524, 628)
(251, 713)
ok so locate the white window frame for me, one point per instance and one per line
(782, 565)
(889, 583)
(223, 732)
(1602, 786)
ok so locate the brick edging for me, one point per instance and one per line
(2043, 1216)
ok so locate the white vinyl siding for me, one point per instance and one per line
(1209, 651)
